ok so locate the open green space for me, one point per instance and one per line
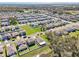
(30, 30)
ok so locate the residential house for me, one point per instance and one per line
(31, 40)
(21, 45)
(40, 41)
(1, 51)
(5, 22)
(5, 37)
(14, 34)
(22, 33)
(23, 21)
(11, 50)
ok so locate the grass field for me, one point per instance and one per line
(25, 51)
(42, 50)
(29, 30)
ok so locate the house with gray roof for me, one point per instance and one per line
(31, 40)
(1, 51)
(11, 50)
(23, 21)
(21, 45)
(5, 22)
(40, 41)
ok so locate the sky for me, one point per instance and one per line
(47, 1)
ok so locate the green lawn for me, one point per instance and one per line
(25, 51)
(1, 41)
(43, 50)
(29, 30)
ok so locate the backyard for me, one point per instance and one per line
(43, 50)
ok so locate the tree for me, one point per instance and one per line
(13, 21)
(20, 11)
(65, 43)
(43, 27)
